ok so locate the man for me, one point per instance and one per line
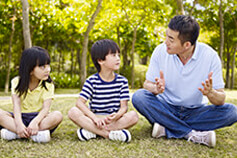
(181, 73)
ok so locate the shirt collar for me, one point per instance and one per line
(37, 88)
(195, 53)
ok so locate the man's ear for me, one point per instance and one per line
(187, 45)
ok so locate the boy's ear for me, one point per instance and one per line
(100, 61)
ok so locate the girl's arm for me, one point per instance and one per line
(81, 104)
(33, 127)
(20, 127)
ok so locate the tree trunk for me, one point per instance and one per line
(144, 60)
(233, 68)
(125, 56)
(79, 59)
(59, 62)
(10, 51)
(132, 54)
(180, 9)
(227, 70)
(26, 24)
(85, 43)
(119, 43)
(72, 62)
(221, 32)
(194, 5)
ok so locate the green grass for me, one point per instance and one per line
(64, 142)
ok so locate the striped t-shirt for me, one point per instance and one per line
(104, 96)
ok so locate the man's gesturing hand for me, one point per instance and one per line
(159, 84)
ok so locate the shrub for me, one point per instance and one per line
(64, 80)
(3, 77)
(140, 75)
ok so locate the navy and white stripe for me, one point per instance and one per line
(104, 96)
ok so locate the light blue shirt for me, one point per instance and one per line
(182, 81)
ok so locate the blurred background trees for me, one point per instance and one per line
(138, 26)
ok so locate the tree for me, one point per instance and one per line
(180, 7)
(10, 50)
(85, 43)
(221, 21)
(26, 24)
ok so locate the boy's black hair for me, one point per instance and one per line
(31, 57)
(187, 27)
(102, 48)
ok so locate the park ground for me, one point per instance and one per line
(64, 141)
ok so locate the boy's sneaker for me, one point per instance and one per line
(41, 137)
(206, 137)
(158, 131)
(120, 135)
(8, 135)
(85, 135)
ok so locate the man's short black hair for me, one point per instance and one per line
(102, 48)
(187, 27)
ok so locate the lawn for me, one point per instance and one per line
(64, 142)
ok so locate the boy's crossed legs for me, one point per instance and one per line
(113, 131)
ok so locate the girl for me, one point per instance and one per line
(32, 94)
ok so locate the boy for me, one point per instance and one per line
(108, 93)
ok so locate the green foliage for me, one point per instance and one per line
(3, 77)
(59, 26)
(64, 80)
(235, 77)
(140, 75)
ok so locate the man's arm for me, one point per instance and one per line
(215, 96)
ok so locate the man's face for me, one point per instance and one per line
(173, 43)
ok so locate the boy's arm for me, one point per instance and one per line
(123, 109)
(34, 124)
(81, 104)
(20, 127)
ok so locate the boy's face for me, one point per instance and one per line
(112, 61)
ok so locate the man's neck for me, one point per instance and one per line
(184, 57)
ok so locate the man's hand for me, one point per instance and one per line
(159, 84)
(207, 86)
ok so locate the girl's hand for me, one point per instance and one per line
(22, 131)
(32, 129)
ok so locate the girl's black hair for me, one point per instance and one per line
(102, 48)
(31, 57)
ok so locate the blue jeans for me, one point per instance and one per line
(178, 120)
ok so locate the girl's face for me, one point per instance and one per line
(41, 72)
